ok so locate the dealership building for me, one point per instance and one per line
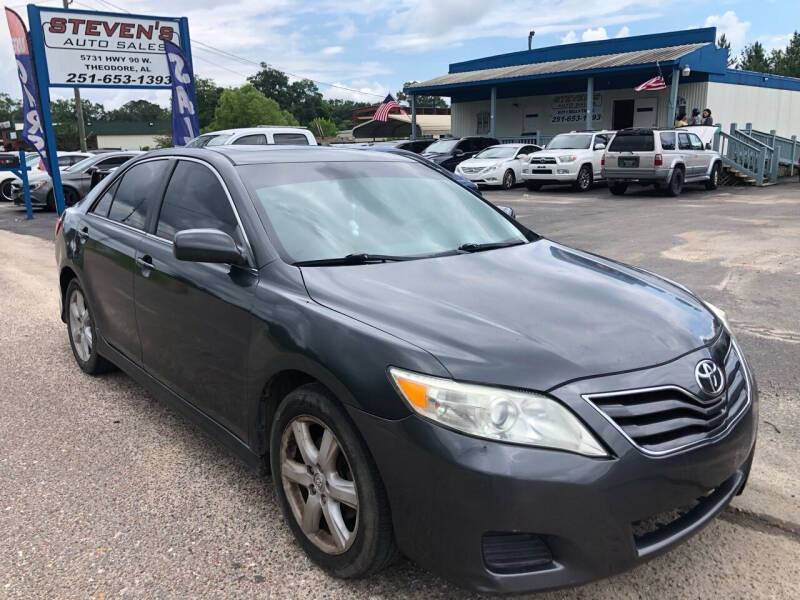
(538, 93)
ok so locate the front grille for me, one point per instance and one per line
(472, 169)
(667, 418)
(515, 552)
(543, 161)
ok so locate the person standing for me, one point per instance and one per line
(681, 120)
(695, 119)
(707, 120)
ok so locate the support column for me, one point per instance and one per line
(413, 116)
(589, 103)
(493, 112)
(673, 98)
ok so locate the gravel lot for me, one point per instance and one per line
(104, 493)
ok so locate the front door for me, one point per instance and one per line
(194, 318)
(112, 232)
(622, 117)
(645, 112)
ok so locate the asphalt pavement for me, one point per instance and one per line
(105, 493)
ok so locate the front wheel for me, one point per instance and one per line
(585, 179)
(713, 180)
(5, 190)
(508, 180)
(70, 197)
(329, 489)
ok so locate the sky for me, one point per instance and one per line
(374, 46)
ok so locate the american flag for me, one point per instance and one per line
(382, 114)
(656, 83)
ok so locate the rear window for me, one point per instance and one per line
(638, 142)
(290, 139)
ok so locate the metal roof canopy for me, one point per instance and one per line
(399, 126)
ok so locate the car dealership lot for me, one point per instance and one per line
(103, 490)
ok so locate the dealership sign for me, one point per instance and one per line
(571, 108)
(90, 49)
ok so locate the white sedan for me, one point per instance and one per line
(497, 165)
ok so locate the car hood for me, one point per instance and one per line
(531, 316)
(437, 156)
(483, 162)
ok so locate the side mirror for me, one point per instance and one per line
(458, 152)
(508, 210)
(599, 146)
(207, 245)
(708, 145)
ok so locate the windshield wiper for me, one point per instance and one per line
(359, 258)
(490, 246)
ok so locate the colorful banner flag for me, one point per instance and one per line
(184, 102)
(32, 131)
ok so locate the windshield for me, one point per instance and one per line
(32, 160)
(328, 210)
(442, 146)
(209, 140)
(83, 164)
(497, 152)
(570, 141)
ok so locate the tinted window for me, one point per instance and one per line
(695, 142)
(638, 142)
(465, 145)
(601, 139)
(138, 185)
(683, 141)
(294, 139)
(65, 161)
(528, 150)
(258, 139)
(667, 140)
(113, 162)
(101, 208)
(195, 199)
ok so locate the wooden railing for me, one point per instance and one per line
(747, 158)
(787, 149)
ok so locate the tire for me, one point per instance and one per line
(618, 189)
(51, 201)
(508, 180)
(71, 197)
(675, 184)
(365, 541)
(585, 179)
(713, 180)
(533, 186)
(5, 190)
(82, 332)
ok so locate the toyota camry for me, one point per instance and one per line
(422, 374)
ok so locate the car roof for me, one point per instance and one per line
(258, 129)
(254, 155)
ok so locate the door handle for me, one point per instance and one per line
(83, 233)
(145, 262)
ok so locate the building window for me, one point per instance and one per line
(483, 123)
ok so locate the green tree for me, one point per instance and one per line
(273, 84)
(208, 94)
(66, 134)
(724, 44)
(139, 110)
(754, 58)
(163, 141)
(246, 106)
(421, 100)
(328, 127)
(10, 108)
(63, 111)
(787, 62)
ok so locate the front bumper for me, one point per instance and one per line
(557, 173)
(493, 177)
(38, 196)
(448, 490)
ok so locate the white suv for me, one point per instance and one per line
(256, 136)
(570, 158)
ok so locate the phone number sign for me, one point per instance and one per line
(91, 49)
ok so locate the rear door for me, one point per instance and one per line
(112, 232)
(700, 156)
(194, 318)
(597, 155)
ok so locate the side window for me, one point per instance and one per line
(134, 191)
(465, 145)
(65, 161)
(258, 139)
(697, 144)
(668, 140)
(102, 206)
(600, 139)
(112, 162)
(292, 139)
(683, 141)
(195, 199)
(526, 150)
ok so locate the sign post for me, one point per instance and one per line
(94, 49)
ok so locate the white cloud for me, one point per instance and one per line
(728, 23)
(570, 38)
(331, 50)
(625, 31)
(369, 91)
(347, 30)
(591, 35)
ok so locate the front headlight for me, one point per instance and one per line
(37, 185)
(496, 413)
(567, 158)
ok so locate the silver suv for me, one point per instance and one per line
(664, 158)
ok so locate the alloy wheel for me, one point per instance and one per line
(5, 191)
(80, 325)
(584, 178)
(319, 484)
(508, 180)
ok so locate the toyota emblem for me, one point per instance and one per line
(709, 377)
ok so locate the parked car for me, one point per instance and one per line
(570, 158)
(7, 177)
(416, 146)
(664, 158)
(423, 374)
(421, 159)
(498, 165)
(256, 136)
(449, 152)
(75, 180)
(34, 162)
